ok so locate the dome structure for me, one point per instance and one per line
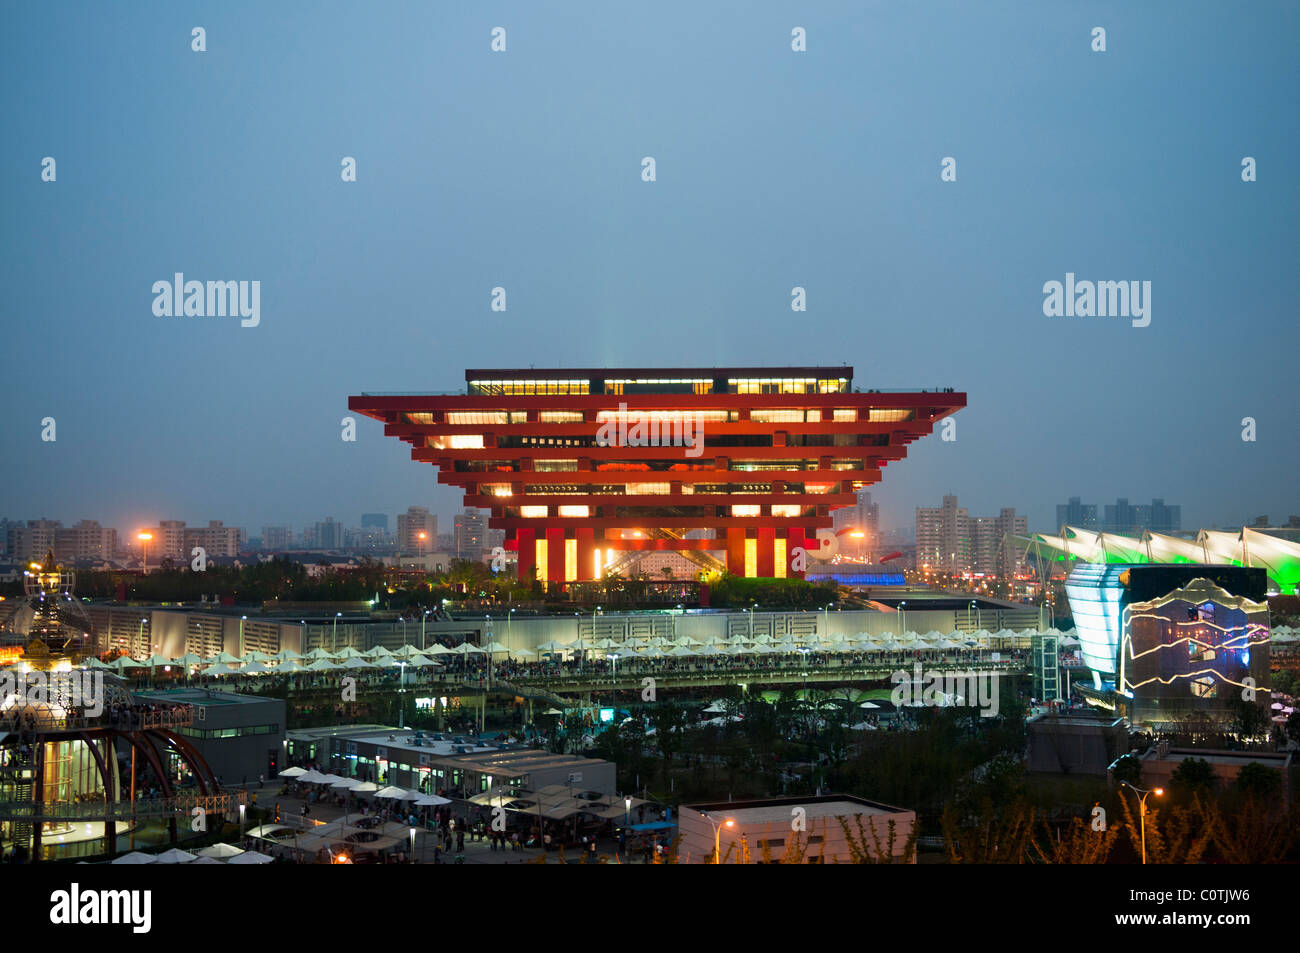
(51, 621)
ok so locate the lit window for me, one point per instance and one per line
(572, 510)
(532, 512)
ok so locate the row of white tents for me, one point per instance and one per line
(353, 786)
(289, 662)
(216, 854)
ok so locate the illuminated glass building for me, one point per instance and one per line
(1173, 642)
(731, 467)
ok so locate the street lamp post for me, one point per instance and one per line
(1142, 812)
(717, 835)
(242, 620)
(335, 643)
(423, 619)
(902, 607)
(144, 545)
(401, 689)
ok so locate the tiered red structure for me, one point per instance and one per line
(780, 448)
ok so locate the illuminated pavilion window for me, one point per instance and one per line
(560, 416)
(555, 466)
(776, 416)
(464, 441)
(420, 419)
(532, 512)
(571, 559)
(498, 489)
(463, 418)
(649, 489)
(846, 416)
(751, 558)
(778, 549)
(539, 550)
(577, 511)
(747, 510)
(787, 510)
(890, 415)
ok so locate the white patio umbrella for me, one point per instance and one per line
(253, 668)
(251, 857)
(681, 651)
(293, 772)
(223, 657)
(135, 857)
(419, 661)
(392, 793)
(205, 861)
(523, 653)
(465, 648)
(653, 651)
(437, 648)
(97, 664)
(288, 655)
(216, 671)
(406, 651)
(707, 650)
(345, 784)
(358, 663)
(495, 648)
(319, 653)
(256, 656)
(322, 665)
(348, 652)
(366, 787)
(311, 777)
(430, 800)
(761, 648)
(175, 856)
(375, 652)
(553, 646)
(292, 667)
(156, 660)
(189, 658)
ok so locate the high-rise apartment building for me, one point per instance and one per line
(277, 537)
(216, 539)
(471, 534)
(1077, 513)
(950, 540)
(417, 520)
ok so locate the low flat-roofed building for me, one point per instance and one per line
(795, 830)
(1084, 742)
(430, 762)
(239, 736)
(1161, 761)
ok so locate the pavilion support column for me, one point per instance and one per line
(586, 552)
(736, 550)
(527, 553)
(794, 540)
(555, 554)
(766, 551)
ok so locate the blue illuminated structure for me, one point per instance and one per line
(1096, 593)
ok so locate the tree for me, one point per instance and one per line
(1255, 780)
(1193, 776)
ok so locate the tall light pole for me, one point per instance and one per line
(139, 636)
(335, 643)
(902, 627)
(419, 549)
(401, 708)
(423, 620)
(717, 835)
(242, 620)
(1142, 812)
(751, 621)
(144, 545)
(510, 618)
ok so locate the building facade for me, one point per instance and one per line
(578, 466)
(950, 540)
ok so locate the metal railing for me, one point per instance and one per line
(119, 811)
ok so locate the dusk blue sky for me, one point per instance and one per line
(522, 169)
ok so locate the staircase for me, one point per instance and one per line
(18, 775)
(699, 557)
